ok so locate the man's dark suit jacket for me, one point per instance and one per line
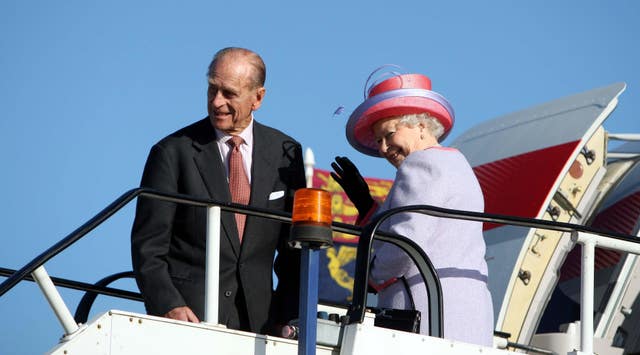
(168, 240)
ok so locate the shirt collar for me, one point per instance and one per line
(246, 134)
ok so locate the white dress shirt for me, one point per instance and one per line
(246, 148)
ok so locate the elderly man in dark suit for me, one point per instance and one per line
(168, 240)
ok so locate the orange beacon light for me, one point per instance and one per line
(311, 219)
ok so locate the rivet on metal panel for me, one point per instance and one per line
(99, 326)
(139, 321)
(576, 190)
(525, 276)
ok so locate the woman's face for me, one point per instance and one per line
(397, 141)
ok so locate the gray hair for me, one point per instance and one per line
(259, 73)
(431, 123)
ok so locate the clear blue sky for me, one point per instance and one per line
(87, 87)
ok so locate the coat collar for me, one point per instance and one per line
(207, 160)
(263, 174)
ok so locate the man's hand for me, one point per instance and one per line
(183, 313)
(347, 175)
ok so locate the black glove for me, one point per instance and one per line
(347, 175)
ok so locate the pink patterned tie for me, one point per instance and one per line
(238, 182)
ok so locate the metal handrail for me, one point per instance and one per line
(36, 269)
(127, 197)
(84, 306)
(82, 286)
(416, 253)
(359, 300)
(510, 220)
(586, 236)
(64, 243)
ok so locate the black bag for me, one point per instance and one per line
(407, 320)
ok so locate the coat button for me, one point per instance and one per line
(227, 293)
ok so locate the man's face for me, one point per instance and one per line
(231, 97)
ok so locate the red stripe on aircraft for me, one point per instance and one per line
(621, 217)
(518, 185)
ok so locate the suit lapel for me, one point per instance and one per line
(263, 173)
(209, 164)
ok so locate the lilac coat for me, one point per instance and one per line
(440, 177)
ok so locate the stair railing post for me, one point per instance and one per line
(212, 271)
(41, 277)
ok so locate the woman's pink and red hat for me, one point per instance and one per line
(399, 95)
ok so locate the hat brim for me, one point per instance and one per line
(396, 103)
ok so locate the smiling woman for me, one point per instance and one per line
(400, 136)
(402, 120)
